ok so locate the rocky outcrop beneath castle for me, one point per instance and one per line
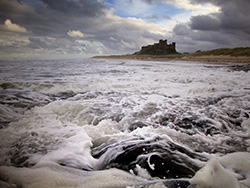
(161, 48)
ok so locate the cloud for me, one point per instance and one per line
(126, 31)
(191, 40)
(227, 28)
(133, 8)
(152, 17)
(89, 47)
(13, 44)
(49, 28)
(8, 25)
(191, 5)
(182, 30)
(12, 10)
(148, 1)
(64, 48)
(13, 41)
(205, 23)
(90, 8)
(43, 43)
(232, 15)
(75, 33)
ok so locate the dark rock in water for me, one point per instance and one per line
(244, 68)
(7, 85)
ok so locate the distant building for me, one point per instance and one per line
(161, 48)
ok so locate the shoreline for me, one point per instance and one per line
(219, 59)
(213, 59)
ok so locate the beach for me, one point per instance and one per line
(213, 59)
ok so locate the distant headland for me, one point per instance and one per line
(162, 51)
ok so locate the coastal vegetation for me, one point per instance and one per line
(235, 52)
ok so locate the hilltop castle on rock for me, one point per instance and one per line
(161, 48)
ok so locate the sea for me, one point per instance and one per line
(113, 123)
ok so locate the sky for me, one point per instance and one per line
(52, 29)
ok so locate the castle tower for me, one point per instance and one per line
(173, 45)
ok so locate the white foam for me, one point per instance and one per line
(214, 175)
(76, 152)
(58, 176)
(231, 171)
(239, 164)
(246, 125)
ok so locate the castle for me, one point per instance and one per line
(161, 48)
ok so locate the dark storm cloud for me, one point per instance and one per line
(233, 15)
(182, 30)
(12, 9)
(213, 37)
(50, 17)
(205, 23)
(50, 21)
(38, 22)
(80, 8)
(230, 27)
